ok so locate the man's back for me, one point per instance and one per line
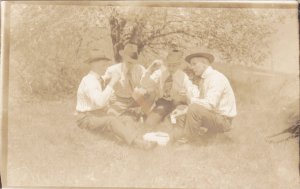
(218, 88)
(90, 95)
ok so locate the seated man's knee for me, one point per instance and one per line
(154, 118)
(196, 109)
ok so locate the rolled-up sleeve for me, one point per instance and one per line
(108, 73)
(213, 94)
(192, 90)
(96, 95)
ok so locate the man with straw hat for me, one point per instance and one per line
(93, 102)
(213, 111)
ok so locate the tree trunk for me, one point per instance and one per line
(116, 29)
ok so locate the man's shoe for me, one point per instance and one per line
(182, 141)
(145, 145)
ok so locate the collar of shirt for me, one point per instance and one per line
(207, 72)
(94, 74)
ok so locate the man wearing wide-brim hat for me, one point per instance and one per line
(213, 111)
(170, 83)
(93, 102)
(130, 72)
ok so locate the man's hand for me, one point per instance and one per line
(182, 96)
(135, 110)
(155, 65)
(179, 111)
(138, 93)
(189, 98)
(182, 93)
(140, 90)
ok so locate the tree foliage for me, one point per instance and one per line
(48, 43)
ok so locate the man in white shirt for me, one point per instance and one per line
(130, 74)
(170, 84)
(93, 102)
(212, 112)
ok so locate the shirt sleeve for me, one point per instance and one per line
(192, 89)
(107, 74)
(98, 97)
(213, 94)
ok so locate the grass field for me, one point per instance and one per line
(47, 45)
(46, 148)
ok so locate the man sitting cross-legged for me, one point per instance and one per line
(93, 102)
(170, 84)
(213, 111)
(130, 73)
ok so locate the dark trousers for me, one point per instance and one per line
(122, 127)
(191, 125)
(161, 110)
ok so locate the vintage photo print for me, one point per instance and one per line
(150, 94)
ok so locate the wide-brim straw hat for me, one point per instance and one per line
(206, 55)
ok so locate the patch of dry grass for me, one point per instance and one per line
(47, 148)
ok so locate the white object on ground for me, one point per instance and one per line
(173, 119)
(160, 138)
(179, 111)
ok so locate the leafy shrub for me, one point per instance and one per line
(49, 43)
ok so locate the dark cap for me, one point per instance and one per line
(131, 50)
(174, 56)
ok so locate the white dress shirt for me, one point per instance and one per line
(124, 88)
(182, 86)
(218, 94)
(90, 95)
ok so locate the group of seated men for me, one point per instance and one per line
(124, 97)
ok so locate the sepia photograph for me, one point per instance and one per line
(150, 94)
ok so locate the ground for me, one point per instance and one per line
(46, 148)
